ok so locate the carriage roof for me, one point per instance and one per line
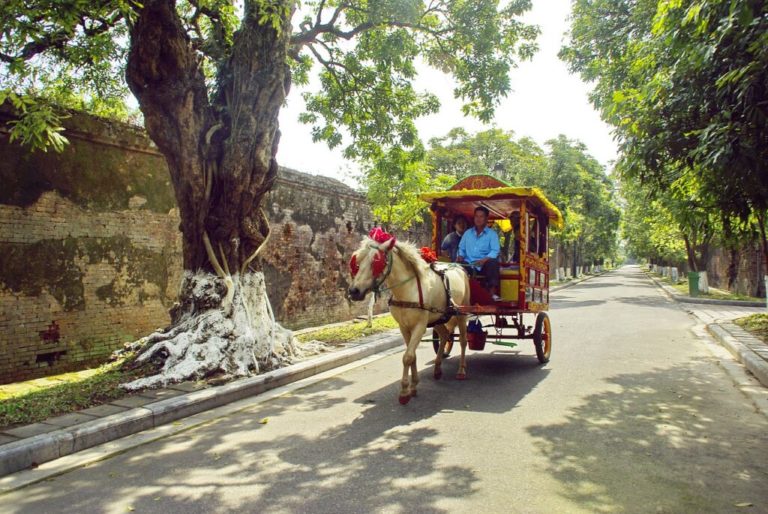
(495, 195)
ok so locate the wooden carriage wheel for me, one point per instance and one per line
(542, 337)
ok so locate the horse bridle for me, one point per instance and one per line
(377, 281)
(381, 278)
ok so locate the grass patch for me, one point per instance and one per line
(40, 399)
(757, 324)
(36, 400)
(347, 332)
(714, 293)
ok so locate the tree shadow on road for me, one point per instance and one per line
(378, 456)
(656, 300)
(567, 302)
(663, 441)
(595, 285)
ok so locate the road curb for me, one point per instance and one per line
(32, 451)
(672, 292)
(579, 281)
(731, 336)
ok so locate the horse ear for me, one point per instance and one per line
(390, 244)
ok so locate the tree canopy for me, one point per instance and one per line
(74, 53)
(684, 84)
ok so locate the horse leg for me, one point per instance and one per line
(405, 382)
(414, 377)
(444, 335)
(408, 387)
(462, 373)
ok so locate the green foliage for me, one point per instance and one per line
(39, 127)
(62, 54)
(367, 87)
(72, 392)
(490, 151)
(649, 228)
(757, 324)
(74, 53)
(578, 185)
(344, 333)
(683, 84)
(394, 183)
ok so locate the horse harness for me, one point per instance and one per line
(450, 308)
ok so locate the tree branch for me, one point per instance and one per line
(310, 34)
(58, 39)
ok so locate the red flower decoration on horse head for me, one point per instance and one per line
(386, 241)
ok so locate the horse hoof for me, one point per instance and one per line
(438, 374)
(405, 399)
(461, 376)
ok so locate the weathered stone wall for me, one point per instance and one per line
(750, 272)
(90, 250)
(317, 222)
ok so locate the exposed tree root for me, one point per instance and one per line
(222, 326)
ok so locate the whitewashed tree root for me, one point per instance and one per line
(220, 327)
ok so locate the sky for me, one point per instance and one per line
(546, 100)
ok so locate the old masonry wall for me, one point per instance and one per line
(90, 252)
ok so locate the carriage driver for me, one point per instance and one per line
(480, 248)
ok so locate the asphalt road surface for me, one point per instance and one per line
(632, 414)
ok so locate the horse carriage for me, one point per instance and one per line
(428, 293)
(521, 216)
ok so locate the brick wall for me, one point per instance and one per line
(90, 249)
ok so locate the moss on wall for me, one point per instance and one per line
(97, 176)
(59, 266)
(45, 265)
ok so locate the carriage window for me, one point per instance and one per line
(533, 233)
(543, 237)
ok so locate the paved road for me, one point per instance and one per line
(631, 415)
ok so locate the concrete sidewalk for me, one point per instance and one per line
(718, 316)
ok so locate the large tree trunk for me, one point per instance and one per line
(763, 239)
(691, 253)
(221, 156)
(734, 257)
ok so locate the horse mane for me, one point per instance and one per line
(411, 255)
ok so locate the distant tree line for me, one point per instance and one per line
(685, 87)
(564, 170)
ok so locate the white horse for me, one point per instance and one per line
(418, 299)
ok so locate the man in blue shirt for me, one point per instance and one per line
(479, 247)
(450, 246)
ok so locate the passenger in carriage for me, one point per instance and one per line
(479, 247)
(450, 246)
(516, 236)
